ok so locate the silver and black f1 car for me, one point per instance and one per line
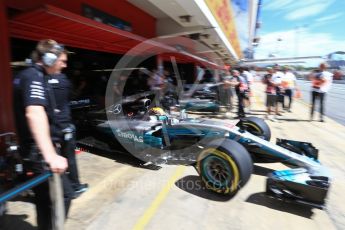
(221, 151)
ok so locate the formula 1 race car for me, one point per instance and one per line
(221, 151)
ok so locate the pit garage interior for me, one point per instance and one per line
(98, 34)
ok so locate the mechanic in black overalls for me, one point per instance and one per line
(62, 89)
(36, 126)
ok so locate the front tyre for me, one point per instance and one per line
(224, 166)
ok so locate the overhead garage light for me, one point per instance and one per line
(185, 18)
(208, 51)
(195, 36)
(206, 36)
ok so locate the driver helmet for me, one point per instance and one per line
(157, 111)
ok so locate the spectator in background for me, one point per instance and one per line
(155, 80)
(241, 87)
(119, 87)
(277, 77)
(226, 96)
(289, 84)
(169, 91)
(321, 83)
(271, 94)
(208, 77)
(156, 83)
(253, 72)
(170, 78)
(250, 79)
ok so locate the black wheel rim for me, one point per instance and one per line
(217, 171)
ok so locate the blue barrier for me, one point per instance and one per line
(24, 186)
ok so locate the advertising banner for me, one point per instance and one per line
(222, 11)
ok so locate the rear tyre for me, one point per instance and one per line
(257, 127)
(224, 166)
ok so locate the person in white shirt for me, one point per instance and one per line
(277, 77)
(250, 79)
(289, 85)
(227, 91)
(254, 74)
(271, 98)
(155, 81)
(321, 84)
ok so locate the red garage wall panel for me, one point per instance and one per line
(6, 117)
(143, 24)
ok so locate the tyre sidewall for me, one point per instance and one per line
(237, 160)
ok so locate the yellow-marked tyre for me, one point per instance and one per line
(257, 127)
(224, 166)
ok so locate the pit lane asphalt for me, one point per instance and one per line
(124, 195)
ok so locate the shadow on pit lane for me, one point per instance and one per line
(254, 114)
(259, 110)
(15, 222)
(292, 119)
(296, 209)
(261, 171)
(194, 185)
(124, 158)
(27, 196)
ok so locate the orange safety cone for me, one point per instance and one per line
(77, 151)
(298, 93)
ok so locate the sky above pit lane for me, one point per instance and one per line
(301, 28)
